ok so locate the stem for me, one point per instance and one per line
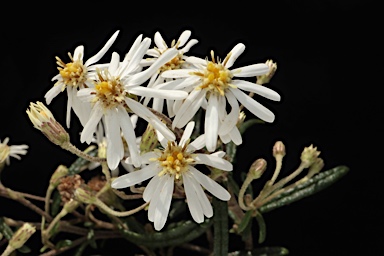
(73, 149)
(108, 210)
(8, 250)
(17, 196)
(243, 188)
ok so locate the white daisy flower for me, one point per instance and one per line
(182, 45)
(176, 163)
(112, 98)
(75, 75)
(8, 151)
(212, 85)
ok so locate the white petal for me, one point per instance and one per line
(115, 147)
(163, 141)
(133, 48)
(184, 37)
(103, 50)
(82, 109)
(177, 73)
(78, 54)
(197, 144)
(211, 123)
(151, 187)
(191, 43)
(70, 94)
(235, 53)
(145, 158)
(212, 186)
(129, 135)
(159, 41)
(202, 197)
(52, 93)
(147, 115)
(256, 88)
(193, 202)
(86, 94)
(139, 78)
(90, 126)
(162, 208)
(196, 60)
(231, 119)
(114, 64)
(220, 154)
(225, 138)
(214, 161)
(155, 198)
(135, 177)
(136, 58)
(236, 136)
(188, 109)
(187, 133)
(251, 70)
(253, 106)
(157, 93)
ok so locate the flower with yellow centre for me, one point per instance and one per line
(8, 151)
(113, 97)
(182, 45)
(75, 75)
(213, 85)
(176, 163)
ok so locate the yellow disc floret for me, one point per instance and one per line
(216, 77)
(73, 73)
(109, 90)
(174, 160)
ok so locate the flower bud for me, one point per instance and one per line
(43, 120)
(257, 168)
(278, 149)
(309, 156)
(266, 78)
(316, 167)
(22, 235)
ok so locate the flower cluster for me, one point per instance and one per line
(105, 96)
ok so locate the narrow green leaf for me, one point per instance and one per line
(310, 187)
(56, 203)
(80, 163)
(247, 124)
(263, 251)
(182, 232)
(245, 221)
(262, 227)
(220, 227)
(5, 229)
(24, 249)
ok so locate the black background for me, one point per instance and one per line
(329, 76)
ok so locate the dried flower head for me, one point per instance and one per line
(309, 156)
(266, 78)
(22, 235)
(68, 185)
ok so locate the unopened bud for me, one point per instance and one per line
(278, 149)
(22, 235)
(43, 120)
(60, 172)
(84, 196)
(266, 78)
(316, 167)
(257, 168)
(309, 156)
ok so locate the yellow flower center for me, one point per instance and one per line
(174, 160)
(73, 73)
(109, 90)
(216, 77)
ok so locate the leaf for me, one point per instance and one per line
(263, 251)
(220, 227)
(247, 124)
(245, 221)
(310, 187)
(56, 203)
(262, 227)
